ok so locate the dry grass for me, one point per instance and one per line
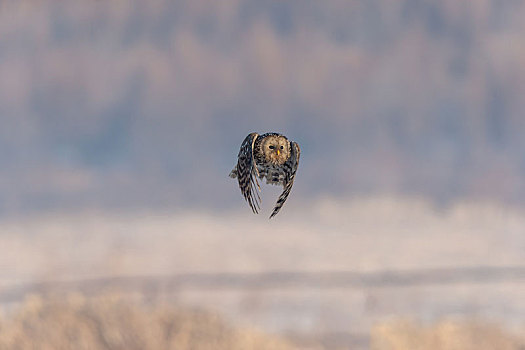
(362, 235)
(113, 322)
(109, 322)
(446, 335)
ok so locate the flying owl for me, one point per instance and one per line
(270, 155)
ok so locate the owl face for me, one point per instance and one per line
(276, 149)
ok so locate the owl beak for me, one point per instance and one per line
(278, 152)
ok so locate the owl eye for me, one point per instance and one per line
(272, 147)
(282, 147)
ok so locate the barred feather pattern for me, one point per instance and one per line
(246, 173)
(259, 158)
(290, 168)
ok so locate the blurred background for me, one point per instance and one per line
(120, 121)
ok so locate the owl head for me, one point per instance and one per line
(276, 149)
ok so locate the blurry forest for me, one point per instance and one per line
(145, 103)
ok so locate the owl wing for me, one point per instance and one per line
(290, 168)
(247, 173)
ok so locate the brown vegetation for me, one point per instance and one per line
(362, 235)
(446, 335)
(114, 323)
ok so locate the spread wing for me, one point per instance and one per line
(247, 173)
(290, 168)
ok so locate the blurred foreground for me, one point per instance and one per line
(111, 322)
(331, 272)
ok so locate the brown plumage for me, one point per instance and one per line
(271, 156)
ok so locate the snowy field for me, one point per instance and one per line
(362, 235)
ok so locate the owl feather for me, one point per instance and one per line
(290, 167)
(247, 173)
(270, 155)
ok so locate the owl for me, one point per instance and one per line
(271, 156)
